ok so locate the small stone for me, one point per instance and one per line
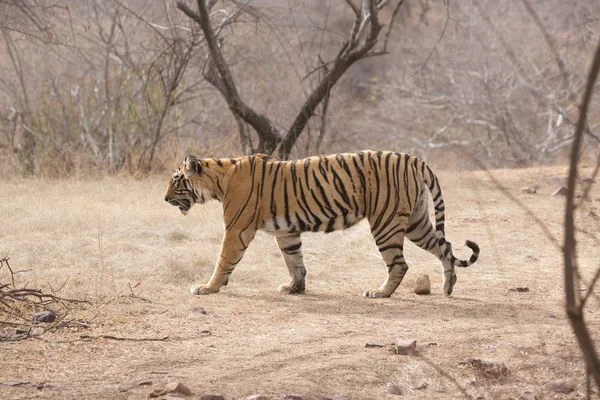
(527, 396)
(256, 397)
(144, 383)
(335, 397)
(522, 289)
(559, 386)
(198, 310)
(212, 397)
(422, 285)
(492, 369)
(405, 347)
(291, 396)
(44, 316)
(177, 387)
(422, 386)
(561, 191)
(392, 388)
(158, 389)
(169, 397)
(530, 190)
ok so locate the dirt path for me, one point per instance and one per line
(104, 234)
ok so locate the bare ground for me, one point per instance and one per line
(108, 234)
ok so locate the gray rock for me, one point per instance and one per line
(406, 347)
(392, 388)
(177, 387)
(561, 191)
(198, 310)
(45, 316)
(559, 386)
(161, 389)
(422, 285)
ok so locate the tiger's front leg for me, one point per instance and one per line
(291, 250)
(233, 246)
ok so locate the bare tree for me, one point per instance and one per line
(575, 302)
(359, 44)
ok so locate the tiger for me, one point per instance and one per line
(319, 194)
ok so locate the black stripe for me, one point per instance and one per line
(391, 246)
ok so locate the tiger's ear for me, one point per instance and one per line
(192, 166)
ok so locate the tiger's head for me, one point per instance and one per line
(185, 186)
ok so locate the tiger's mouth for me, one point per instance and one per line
(183, 204)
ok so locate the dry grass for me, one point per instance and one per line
(106, 235)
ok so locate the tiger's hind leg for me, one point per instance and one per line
(421, 233)
(390, 242)
(291, 250)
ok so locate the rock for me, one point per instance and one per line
(559, 386)
(161, 389)
(157, 390)
(492, 369)
(392, 388)
(291, 396)
(212, 397)
(527, 396)
(44, 316)
(177, 387)
(169, 397)
(144, 383)
(561, 191)
(422, 285)
(422, 386)
(519, 289)
(530, 190)
(336, 397)
(406, 347)
(198, 310)
(256, 397)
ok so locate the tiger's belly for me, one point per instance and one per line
(281, 226)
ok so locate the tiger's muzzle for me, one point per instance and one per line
(183, 204)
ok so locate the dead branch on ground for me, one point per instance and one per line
(19, 304)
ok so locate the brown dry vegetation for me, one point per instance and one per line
(106, 233)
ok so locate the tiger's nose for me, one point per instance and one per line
(166, 199)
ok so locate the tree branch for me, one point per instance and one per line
(574, 310)
(267, 132)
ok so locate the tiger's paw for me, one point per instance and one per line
(375, 294)
(449, 285)
(288, 288)
(203, 289)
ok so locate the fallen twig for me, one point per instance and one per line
(111, 337)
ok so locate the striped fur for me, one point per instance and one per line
(320, 194)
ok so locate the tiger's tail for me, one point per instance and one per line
(438, 203)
